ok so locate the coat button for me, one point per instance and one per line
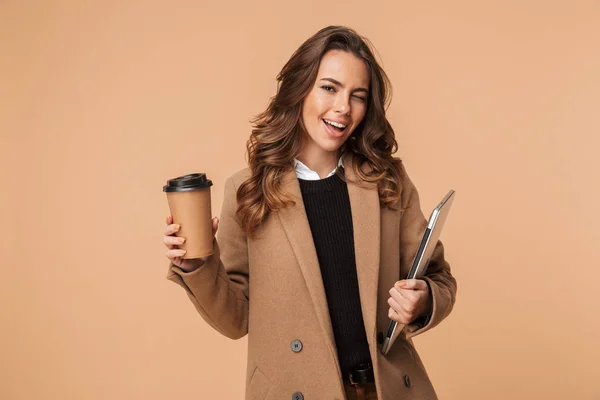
(380, 337)
(296, 346)
(407, 381)
(297, 396)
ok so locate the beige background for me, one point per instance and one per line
(101, 102)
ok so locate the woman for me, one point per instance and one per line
(314, 238)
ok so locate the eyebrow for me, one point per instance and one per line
(340, 84)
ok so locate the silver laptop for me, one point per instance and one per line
(421, 260)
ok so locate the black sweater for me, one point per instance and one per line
(327, 207)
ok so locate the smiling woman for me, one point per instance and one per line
(319, 228)
(332, 77)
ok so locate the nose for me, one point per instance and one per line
(342, 105)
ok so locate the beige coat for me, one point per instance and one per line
(270, 287)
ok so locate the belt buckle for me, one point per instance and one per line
(363, 372)
(352, 381)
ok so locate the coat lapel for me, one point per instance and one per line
(296, 226)
(364, 203)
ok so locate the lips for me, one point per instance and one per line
(332, 131)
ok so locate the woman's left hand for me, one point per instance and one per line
(409, 300)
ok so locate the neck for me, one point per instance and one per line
(322, 162)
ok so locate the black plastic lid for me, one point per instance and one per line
(187, 182)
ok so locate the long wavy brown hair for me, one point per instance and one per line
(278, 132)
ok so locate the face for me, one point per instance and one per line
(339, 97)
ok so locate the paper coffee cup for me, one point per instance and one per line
(189, 201)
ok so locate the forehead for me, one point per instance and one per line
(344, 67)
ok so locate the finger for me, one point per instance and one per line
(172, 241)
(174, 253)
(394, 304)
(398, 317)
(171, 229)
(403, 304)
(410, 295)
(414, 284)
(215, 225)
(404, 295)
(406, 299)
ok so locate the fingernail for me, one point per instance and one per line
(181, 240)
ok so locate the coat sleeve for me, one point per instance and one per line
(441, 283)
(219, 288)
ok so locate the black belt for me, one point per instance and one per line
(362, 374)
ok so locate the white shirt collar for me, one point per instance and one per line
(303, 172)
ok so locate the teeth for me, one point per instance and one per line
(335, 124)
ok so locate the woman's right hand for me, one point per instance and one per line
(175, 254)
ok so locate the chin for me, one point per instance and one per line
(331, 145)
